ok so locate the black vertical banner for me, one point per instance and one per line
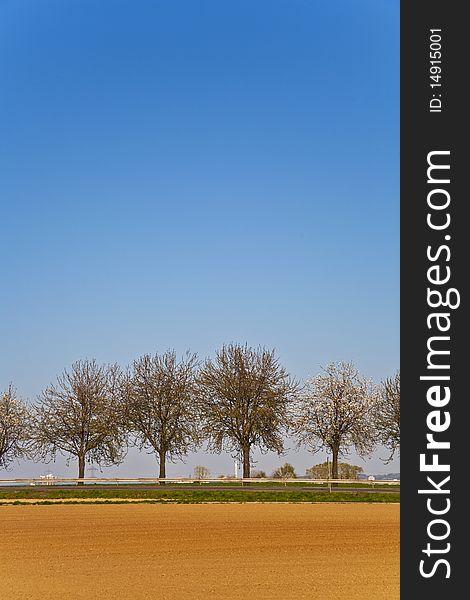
(435, 253)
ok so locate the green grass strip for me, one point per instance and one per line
(196, 496)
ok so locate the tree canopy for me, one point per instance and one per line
(244, 398)
(323, 471)
(286, 471)
(160, 408)
(14, 428)
(79, 416)
(387, 415)
(335, 412)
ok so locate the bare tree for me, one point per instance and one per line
(387, 415)
(244, 397)
(201, 472)
(14, 427)
(79, 416)
(335, 413)
(287, 471)
(159, 405)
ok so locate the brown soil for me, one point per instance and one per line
(215, 551)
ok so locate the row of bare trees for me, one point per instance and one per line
(241, 400)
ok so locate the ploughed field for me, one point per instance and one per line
(183, 551)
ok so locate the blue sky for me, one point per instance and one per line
(184, 174)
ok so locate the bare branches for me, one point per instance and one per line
(159, 404)
(286, 471)
(201, 472)
(335, 413)
(79, 416)
(240, 400)
(14, 428)
(244, 397)
(387, 415)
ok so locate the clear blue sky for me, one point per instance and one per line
(183, 174)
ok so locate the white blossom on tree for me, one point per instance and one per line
(335, 413)
(14, 427)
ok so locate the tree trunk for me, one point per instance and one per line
(162, 459)
(81, 468)
(334, 463)
(246, 462)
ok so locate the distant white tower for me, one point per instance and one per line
(236, 469)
